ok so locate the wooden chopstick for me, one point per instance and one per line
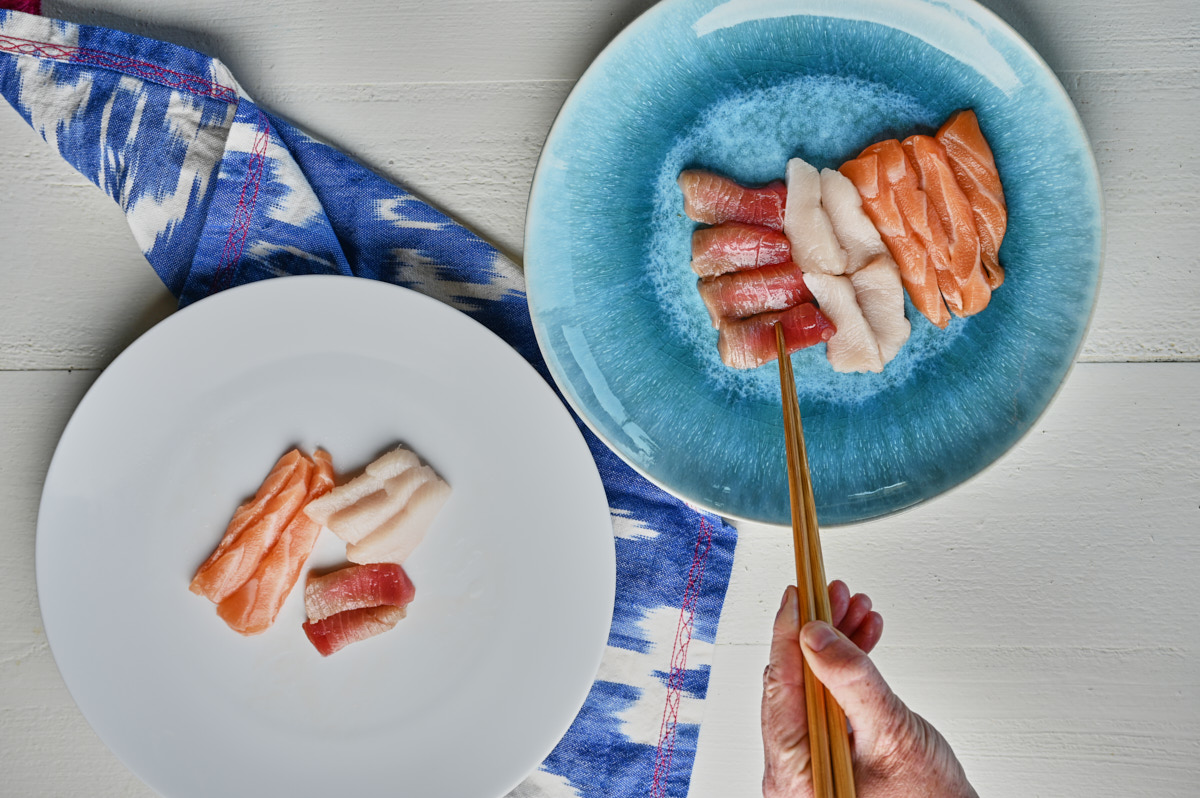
(828, 740)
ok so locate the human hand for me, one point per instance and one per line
(896, 753)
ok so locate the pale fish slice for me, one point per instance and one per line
(382, 469)
(400, 534)
(880, 294)
(853, 347)
(814, 246)
(360, 519)
(854, 230)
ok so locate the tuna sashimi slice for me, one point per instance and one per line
(879, 293)
(854, 346)
(381, 470)
(734, 246)
(712, 199)
(396, 538)
(807, 226)
(360, 519)
(748, 343)
(851, 225)
(253, 607)
(227, 570)
(355, 587)
(741, 294)
(338, 631)
(974, 167)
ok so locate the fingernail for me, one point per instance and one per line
(818, 635)
(787, 591)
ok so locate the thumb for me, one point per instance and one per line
(874, 711)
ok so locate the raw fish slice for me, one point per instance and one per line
(916, 270)
(711, 199)
(360, 519)
(252, 510)
(733, 246)
(355, 587)
(382, 469)
(807, 226)
(253, 607)
(748, 343)
(395, 539)
(338, 631)
(741, 294)
(881, 296)
(854, 346)
(975, 168)
(950, 204)
(222, 574)
(853, 228)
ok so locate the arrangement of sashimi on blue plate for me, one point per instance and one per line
(902, 185)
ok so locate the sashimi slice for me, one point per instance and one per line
(225, 572)
(382, 469)
(853, 228)
(854, 346)
(814, 246)
(916, 269)
(747, 293)
(712, 199)
(748, 343)
(355, 587)
(360, 519)
(733, 246)
(396, 538)
(937, 180)
(975, 169)
(253, 607)
(880, 295)
(334, 633)
(252, 510)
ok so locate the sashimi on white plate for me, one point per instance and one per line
(396, 538)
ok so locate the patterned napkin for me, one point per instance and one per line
(219, 192)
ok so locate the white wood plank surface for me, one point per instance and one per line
(1041, 615)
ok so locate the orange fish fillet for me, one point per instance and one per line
(880, 203)
(252, 608)
(950, 204)
(242, 548)
(975, 168)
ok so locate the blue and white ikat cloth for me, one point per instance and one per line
(219, 192)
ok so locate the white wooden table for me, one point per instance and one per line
(1043, 615)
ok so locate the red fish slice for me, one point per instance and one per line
(711, 199)
(741, 294)
(975, 168)
(338, 631)
(355, 587)
(733, 246)
(748, 343)
(253, 607)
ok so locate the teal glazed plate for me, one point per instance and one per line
(738, 88)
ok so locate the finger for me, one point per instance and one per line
(784, 722)
(868, 633)
(856, 611)
(839, 600)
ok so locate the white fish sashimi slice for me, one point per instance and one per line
(378, 472)
(814, 246)
(880, 294)
(398, 536)
(853, 229)
(355, 522)
(392, 463)
(853, 347)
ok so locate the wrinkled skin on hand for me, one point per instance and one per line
(896, 753)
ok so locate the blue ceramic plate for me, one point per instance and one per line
(739, 87)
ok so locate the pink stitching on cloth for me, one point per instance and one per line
(239, 227)
(683, 639)
(24, 6)
(120, 63)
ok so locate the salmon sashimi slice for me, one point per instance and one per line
(974, 167)
(748, 343)
(807, 226)
(950, 204)
(916, 269)
(733, 246)
(355, 587)
(334, 633)
(229, 568)
(853, 228)
(395, 538)
(854, 346)
(741, 294)
(253, 607)
(370, 482)
(880, 294)
(252, 510)
(712, 199)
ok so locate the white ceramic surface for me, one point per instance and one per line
(514, 581)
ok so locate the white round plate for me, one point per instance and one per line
(515, 579)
